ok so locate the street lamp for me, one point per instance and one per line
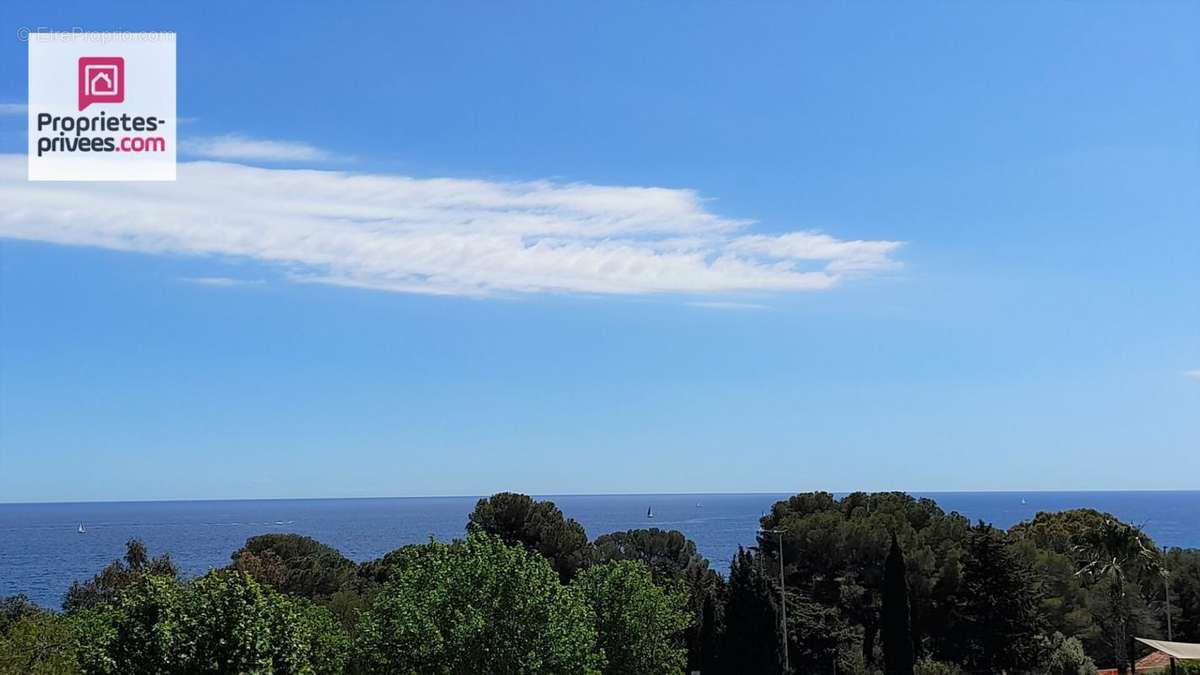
(782, 599)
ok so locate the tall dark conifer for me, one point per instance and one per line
(750, 643)
(896, 626)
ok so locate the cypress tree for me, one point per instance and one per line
(750, 643)
(896, 626)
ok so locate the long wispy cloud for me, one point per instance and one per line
(13, 108)
(445, 236)
(235, 147)
(220, 282)
(1194, 374)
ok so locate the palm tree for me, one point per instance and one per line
(1113, 552)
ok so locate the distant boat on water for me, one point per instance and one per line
(649, 512)
(82, 529)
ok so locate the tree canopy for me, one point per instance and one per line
(539, 526)
(525, 592)
(476, 606)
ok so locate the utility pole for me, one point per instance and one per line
(782, 601)
(1167, 591)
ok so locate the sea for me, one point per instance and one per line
(42, 550)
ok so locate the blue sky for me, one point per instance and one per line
(629, 247)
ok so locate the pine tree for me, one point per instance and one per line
(998, 607)
(896, 628)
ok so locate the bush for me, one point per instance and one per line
(1065, 656)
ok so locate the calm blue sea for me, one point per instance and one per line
(41, 552)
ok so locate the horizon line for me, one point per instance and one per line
(585, 494)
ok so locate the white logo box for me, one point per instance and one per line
(148, 64)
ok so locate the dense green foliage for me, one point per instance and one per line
(639, 624)
(673, 559)
(38, 643)
(1183, 571)
(223, 622)
(997, 627)
(118, 575)
(296, 565)
(751, 641)
(526, 592)
(477, 606)
(538, 526)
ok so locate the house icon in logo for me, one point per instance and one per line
(101, 80)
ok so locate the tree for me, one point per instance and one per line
(1065, 656)
(997, 627)
(672, 558)
(224, 622)
(296, 565)
(1087, 596)
(667, 553)
(13, 608)
(476, 606)
(1115, 556)
(750, 643)
(834, 550)
(118, 575)
(710, 636)
(897, 629)
(38, 643)
(1183, 567)
(638, 624)
(537, 525)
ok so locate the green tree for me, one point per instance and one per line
(1116, 556)
(222, 623)
(1065, 656)
(296, 565)
(476, 606)
(38, 643)
(13, 608)
(897, 629)
(834, 550)
(672, 558)
(639, 624)
(118, 575)
(750, 643)
(1087, 596)
(1183, 567)
(537, 525)
(667, 553)
(998, 627)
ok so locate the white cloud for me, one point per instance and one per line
(444, 236)
(220, 282)
(1194, 374)
(718, 304)
(237, 147)
(844, 256)
(13, 108)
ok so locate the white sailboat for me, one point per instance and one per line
(649, 512)
(82, 529)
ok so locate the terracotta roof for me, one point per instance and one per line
(1153, 662)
